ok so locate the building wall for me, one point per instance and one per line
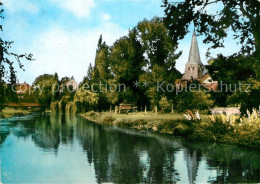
(193, 71)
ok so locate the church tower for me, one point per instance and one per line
(194, 67)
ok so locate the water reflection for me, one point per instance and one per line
(123, 155)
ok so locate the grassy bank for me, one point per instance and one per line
(210, 128)
(10, 112)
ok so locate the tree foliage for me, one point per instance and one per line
(45, 88)
(231, 72)
(193, 100)
(240, 16)
(248, 97)
(160, 58)
(101, 68)
(8, 59)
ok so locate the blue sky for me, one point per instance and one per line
(63, 34)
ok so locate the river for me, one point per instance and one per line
(57, 148)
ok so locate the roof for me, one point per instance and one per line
(204, 77)
(194, 56)
(21, 88)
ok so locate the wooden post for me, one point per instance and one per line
(116, 109)
(172, 108)
(110, 108)
(145, 109)
(156, 109)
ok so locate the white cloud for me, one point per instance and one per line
(14, 6)
(69, 53)
(80, 8)
(106, 17)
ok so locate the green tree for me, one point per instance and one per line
(241, 16)
(157, 43)
(87, 79)
(161, 58)
(229, 72)
(248, 97)
(45, 88)
(127, 61)
(101, 69)
(193, 100)
(165, 104)
(8, 60)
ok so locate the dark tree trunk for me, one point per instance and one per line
(256, 33)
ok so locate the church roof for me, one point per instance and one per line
(194, 57)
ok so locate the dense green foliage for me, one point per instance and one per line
(144, 56)
(194, 100)
(238, 85)
(248, 97)
(45, 88)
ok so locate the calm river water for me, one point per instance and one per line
(68, 149)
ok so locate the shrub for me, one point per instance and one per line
(107, 119)
(196, 100)
(164, 104)
(232, 129)
(92, 114)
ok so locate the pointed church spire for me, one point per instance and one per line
(194, 66)
(194, 57)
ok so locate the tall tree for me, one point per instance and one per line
(101, 68)
(240, 16)
(157, 43)
(126, 63)
(160, 55)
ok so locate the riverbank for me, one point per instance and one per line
(10, 112)
(209, 128)
(166, 124)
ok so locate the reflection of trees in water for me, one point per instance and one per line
(19, 129)
(4, 131)
(120, 155)
(3, 136)
(233, 164)
(47, 133)
(50, 131)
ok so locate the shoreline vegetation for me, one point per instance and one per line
(219, 128)
(11, 112)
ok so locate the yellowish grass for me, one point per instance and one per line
(10, 112)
